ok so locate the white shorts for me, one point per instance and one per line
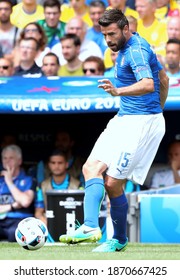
(129, 144)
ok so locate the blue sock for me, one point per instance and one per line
(118, 210)
(94, 194)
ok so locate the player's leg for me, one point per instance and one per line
(136, 159)
(93, 171)
(94, 191)
(94, 194)
(118, 212)
(118, 207)
(129, 154)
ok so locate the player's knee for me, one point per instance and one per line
(92, 169)
(87, 168)
(113, 186)
(109, 186)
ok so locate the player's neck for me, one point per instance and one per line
(128, 36)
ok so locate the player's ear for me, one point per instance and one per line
(125, 29)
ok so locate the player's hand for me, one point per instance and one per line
(108, 87)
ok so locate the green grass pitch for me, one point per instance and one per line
(57, 251)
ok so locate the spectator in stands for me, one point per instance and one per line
(8, 32)
(6, 140)
(25, 12)
(70, 49)
(121, 5)
(28, 49)
(173, 28)
(53, 27)
(132, 23)
(66, 143)
(173, 58)
(166, 9)
(17, 192)
(173, 32)
(6, 67)
(106, 3)
(131, 4)
(96, 10)
(88, 47)
(50, 65)
(33, 30)
(154, 31)
(76, 8)
(171, 175)
(93, 66)
(59, 179)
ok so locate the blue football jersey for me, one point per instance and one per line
(135, 62)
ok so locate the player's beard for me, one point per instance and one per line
(121, 43)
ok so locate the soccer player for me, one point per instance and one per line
(127, 147)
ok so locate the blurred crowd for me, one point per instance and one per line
(63, 38)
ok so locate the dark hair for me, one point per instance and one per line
(42, 40)
(7, 1)
(54, 55)
(113, 16)
(97, 3)
(52, 3)
(98, 60)
(173, 142)
(74, 37)
(58, 152)
(173, 41)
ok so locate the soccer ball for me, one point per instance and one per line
(31, 233)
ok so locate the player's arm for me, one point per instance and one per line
(144, 86)
(164, 87)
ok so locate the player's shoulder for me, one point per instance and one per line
(141, 43)
(137, 42)
(139, 39)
